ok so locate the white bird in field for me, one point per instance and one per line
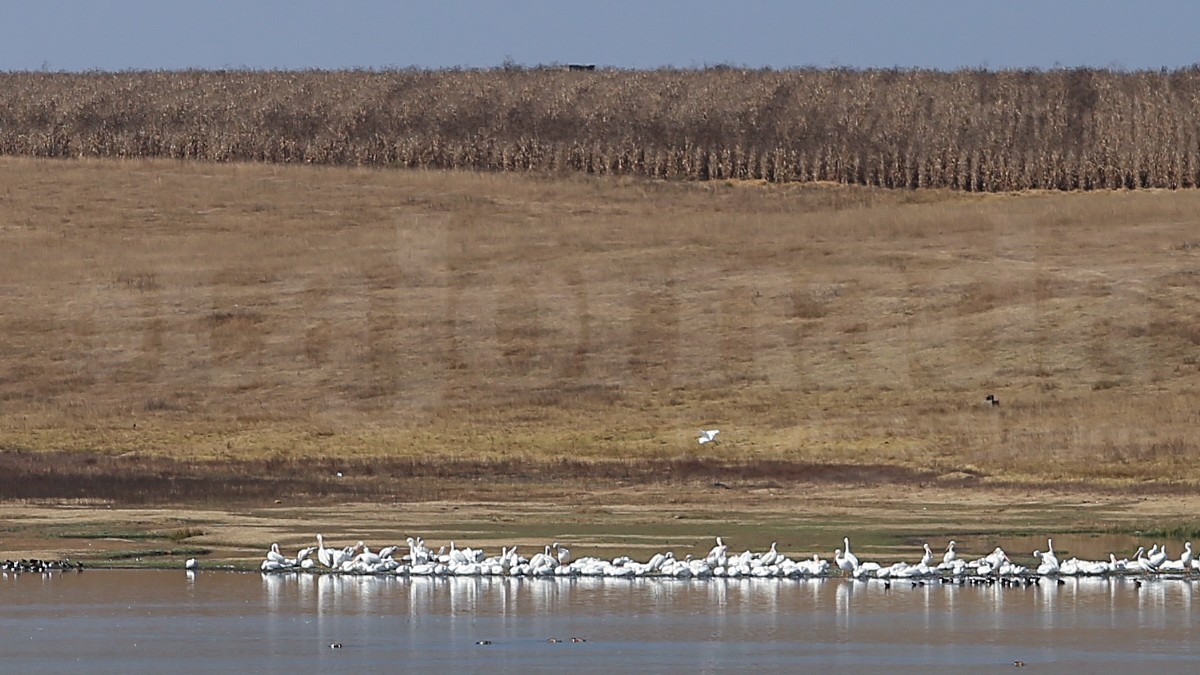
(709, 436)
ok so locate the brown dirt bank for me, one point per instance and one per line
(883, 520)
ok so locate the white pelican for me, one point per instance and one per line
(843, 562)
(998, 557)
(709, 436)
(418, 553)
(456, 557)
(1048, 556)
(1093, 567)
(1157, 556)
(927, 559)
(850, 557)
(562, 553)
(770, 557)
(275, 556)
(816, 566)
(1142, 562)
(302, 554)
(718, 554)
(950, 556)
(367, 557)
(1049, 564)
(1186, 556)
(324, 555)
(867, 569)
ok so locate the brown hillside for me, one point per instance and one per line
(302, 317)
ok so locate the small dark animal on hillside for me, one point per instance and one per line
(991, 400)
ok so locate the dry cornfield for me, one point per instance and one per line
(970, 130)
(169, 321)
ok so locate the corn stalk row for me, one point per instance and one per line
(969, 130)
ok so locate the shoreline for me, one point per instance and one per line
(883, 520)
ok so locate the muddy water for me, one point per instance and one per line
(158, 621)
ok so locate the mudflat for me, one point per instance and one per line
(887, 522)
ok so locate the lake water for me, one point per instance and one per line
(123, 621)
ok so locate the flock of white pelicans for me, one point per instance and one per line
(418, 559)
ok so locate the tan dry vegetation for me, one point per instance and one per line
(973, 130)
(295, 318)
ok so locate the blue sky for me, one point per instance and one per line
(273, 34)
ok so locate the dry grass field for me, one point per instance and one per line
(437, 334)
